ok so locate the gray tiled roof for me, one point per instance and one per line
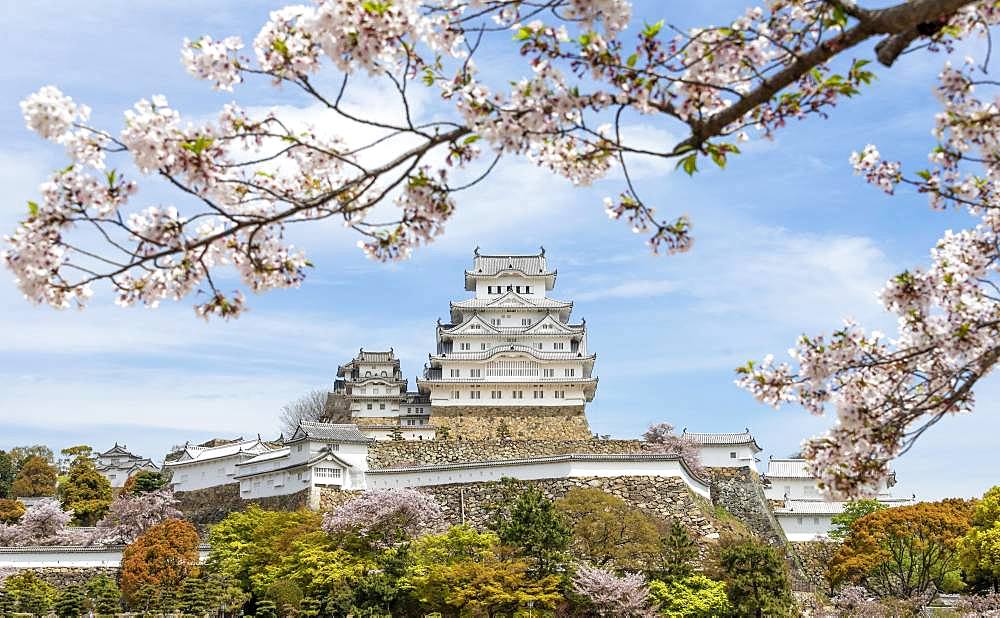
(788, 469)
(709, 439)
(340, 432)
(493, 264)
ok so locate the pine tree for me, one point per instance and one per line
(104, 595)
(85, 491)
(71, 602)
(6, 603)
(397, 434)
(193, 599)
(679, 552)
(528, 521)
(266, 609)
(311, 606)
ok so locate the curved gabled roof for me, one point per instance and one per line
(483, 327)
(517, 348)
(722, 439)
(532, 265)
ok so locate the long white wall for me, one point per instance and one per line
(67, 557)
(805, 526)
(544, 468)
(727, 456)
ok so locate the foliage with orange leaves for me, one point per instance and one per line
(159, 560)
(902, 551)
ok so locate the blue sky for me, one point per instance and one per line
(787, 241)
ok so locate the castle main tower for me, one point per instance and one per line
(510, 362)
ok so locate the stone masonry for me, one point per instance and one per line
(519, 422)
(394, 454)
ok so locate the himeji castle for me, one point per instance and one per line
(509, 357)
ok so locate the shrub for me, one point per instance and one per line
(695, 596)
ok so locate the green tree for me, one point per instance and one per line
(678, 553)
(71, 602)
(979, 549)
(7, 603)
(756, 580)
(145, 481)
(608, 531)
(266, 608)
(193, 597)
(853, 511)
(529, 522)
(310, 606)
(35, 477)
(105, 598)
(463, 571)
(31, 593)
(250, 546)
(695, 596)
(225, 594)
(7, 473)
(85, 490)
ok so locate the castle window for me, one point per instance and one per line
(548, 373)
(539, 394)
(410, 421)
(525, 321)
(465, 346)
(559, 394)
(474, 394)
(456, 394)
(546, 326)
(476, 373)
(558, 345)
(482, 346)
(381, 406)
(538, 345)
(453, 372)
(527, 289)
(495, 395)
(732, 454)
(368, 374)
(369, 406)
(570, 373)
(495, 321)
(510, 288)
(298, 449)
(518, 394)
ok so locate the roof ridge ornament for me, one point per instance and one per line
(475, 251)
(542, 254)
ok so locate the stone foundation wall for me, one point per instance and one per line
(518, 422)
(211, 505)
(391, 454)
(740, 492)
(60, 577)
(814, 556)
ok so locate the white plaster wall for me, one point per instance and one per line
(537, 285)
(797, 489)
(210, 473)
(720, 456)
(804, 527)
(67, 557)
(540, 470)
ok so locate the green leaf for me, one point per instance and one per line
(719, 158)
(280, 46)
(199, 145)
(632, 60)
(32, 209)
(652, 30)
(522, 34)
(471, 139)
(689, 164)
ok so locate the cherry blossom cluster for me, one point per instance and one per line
(662, 438)
(131, 515)
(244, 177)
(886, 391)
(44, 523)
(611, 595)
(385, 517)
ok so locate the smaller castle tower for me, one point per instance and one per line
(370, 391)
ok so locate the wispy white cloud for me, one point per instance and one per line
(636, 288)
